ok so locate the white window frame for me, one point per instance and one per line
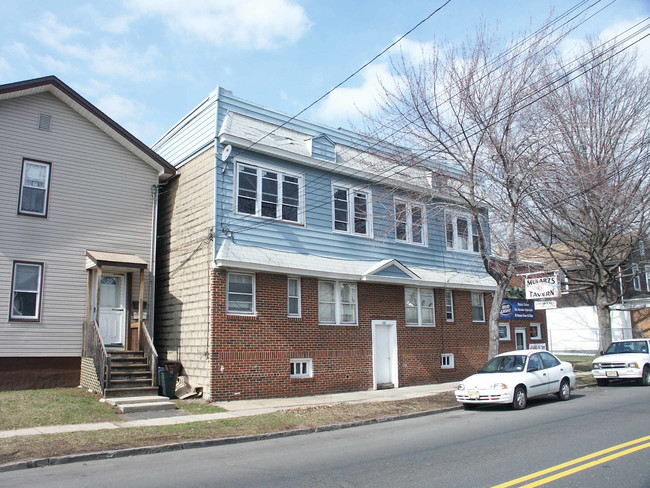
(297, 297)
(418, 307)
(260, 169)
(636, 277)
(647, 277)
(537, 336)
(253, 304)
(480, 295)
(350, 222)
(306, 367)
(15, 290)
(449, 305)
(45, 188)
(338, 303)
(506, 325)
(409, 222)
(451, 217)
(564, 283)
(447, 361)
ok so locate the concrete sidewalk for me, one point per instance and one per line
(241, 408)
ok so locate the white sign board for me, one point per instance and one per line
(537, 346)
(545, 304)
(542, 287)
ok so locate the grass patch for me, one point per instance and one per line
(197, 406)
(41, 446)
(35, 408)
(580, 363)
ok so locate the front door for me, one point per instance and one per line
(520, 339)
(112, 309)
(384, 353)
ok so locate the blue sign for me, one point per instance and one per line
(517, 310)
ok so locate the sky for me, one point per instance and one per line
(147, 63)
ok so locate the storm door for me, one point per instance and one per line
(112, 309)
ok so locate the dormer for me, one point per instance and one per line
(321, 147)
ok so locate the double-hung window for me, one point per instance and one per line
(34, 188)
(266, 192)
(410, 223)
(293, 297)
(636, 277)
(478, 308)
(352, 210)
(461, 232)
(26, 285)
(449, 305)
(337, 302)
(419, 307)
(241, 294)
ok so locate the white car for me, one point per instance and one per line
(515, 376)
(623, 360)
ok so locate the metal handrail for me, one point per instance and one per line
(93, 347)
(146, 344)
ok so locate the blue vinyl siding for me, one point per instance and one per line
(316, 235)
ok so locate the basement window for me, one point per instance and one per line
(447, 361)
(301, 368)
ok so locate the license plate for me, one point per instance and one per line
(473, 395)
(612, 373)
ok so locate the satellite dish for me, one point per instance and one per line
(226, 152)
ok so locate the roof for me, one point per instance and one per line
(233, 255)
(67, 95)
(117, 259)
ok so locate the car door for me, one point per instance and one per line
(536, 376)
(554, 371)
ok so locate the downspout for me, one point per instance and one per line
(152, 257)
(620, 284)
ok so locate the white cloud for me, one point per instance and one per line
(348, 103)
(415, 52)
(249, 24)
(72, 45)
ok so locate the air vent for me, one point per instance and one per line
(44, 122)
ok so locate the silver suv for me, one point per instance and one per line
(624, 360)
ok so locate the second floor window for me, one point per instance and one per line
(461, 232)
(410, 223)
(268, 193)
(352, 211)
(34, 188)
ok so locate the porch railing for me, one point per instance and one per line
(93, 347)
(146, 344)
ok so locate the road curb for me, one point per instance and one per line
(221, 441)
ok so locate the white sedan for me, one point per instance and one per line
(515, 376)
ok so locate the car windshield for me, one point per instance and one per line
(627, 347)
(504, 364)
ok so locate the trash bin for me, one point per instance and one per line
(167, 376)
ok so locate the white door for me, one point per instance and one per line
(384, 352)
(112, 309)
(520, 339)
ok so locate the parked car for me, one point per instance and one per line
(629, 359)
(515, 376)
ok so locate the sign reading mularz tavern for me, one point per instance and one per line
(542, 287)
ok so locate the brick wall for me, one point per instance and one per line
(250, 354)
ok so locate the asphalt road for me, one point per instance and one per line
(483, 448)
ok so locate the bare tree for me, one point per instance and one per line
(464, 113)
(592, 206)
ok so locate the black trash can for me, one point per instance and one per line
(167, 376)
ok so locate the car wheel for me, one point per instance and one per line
(602, 381)
(564, 393)
(469, 406)
(519, 399)
(645, 377)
